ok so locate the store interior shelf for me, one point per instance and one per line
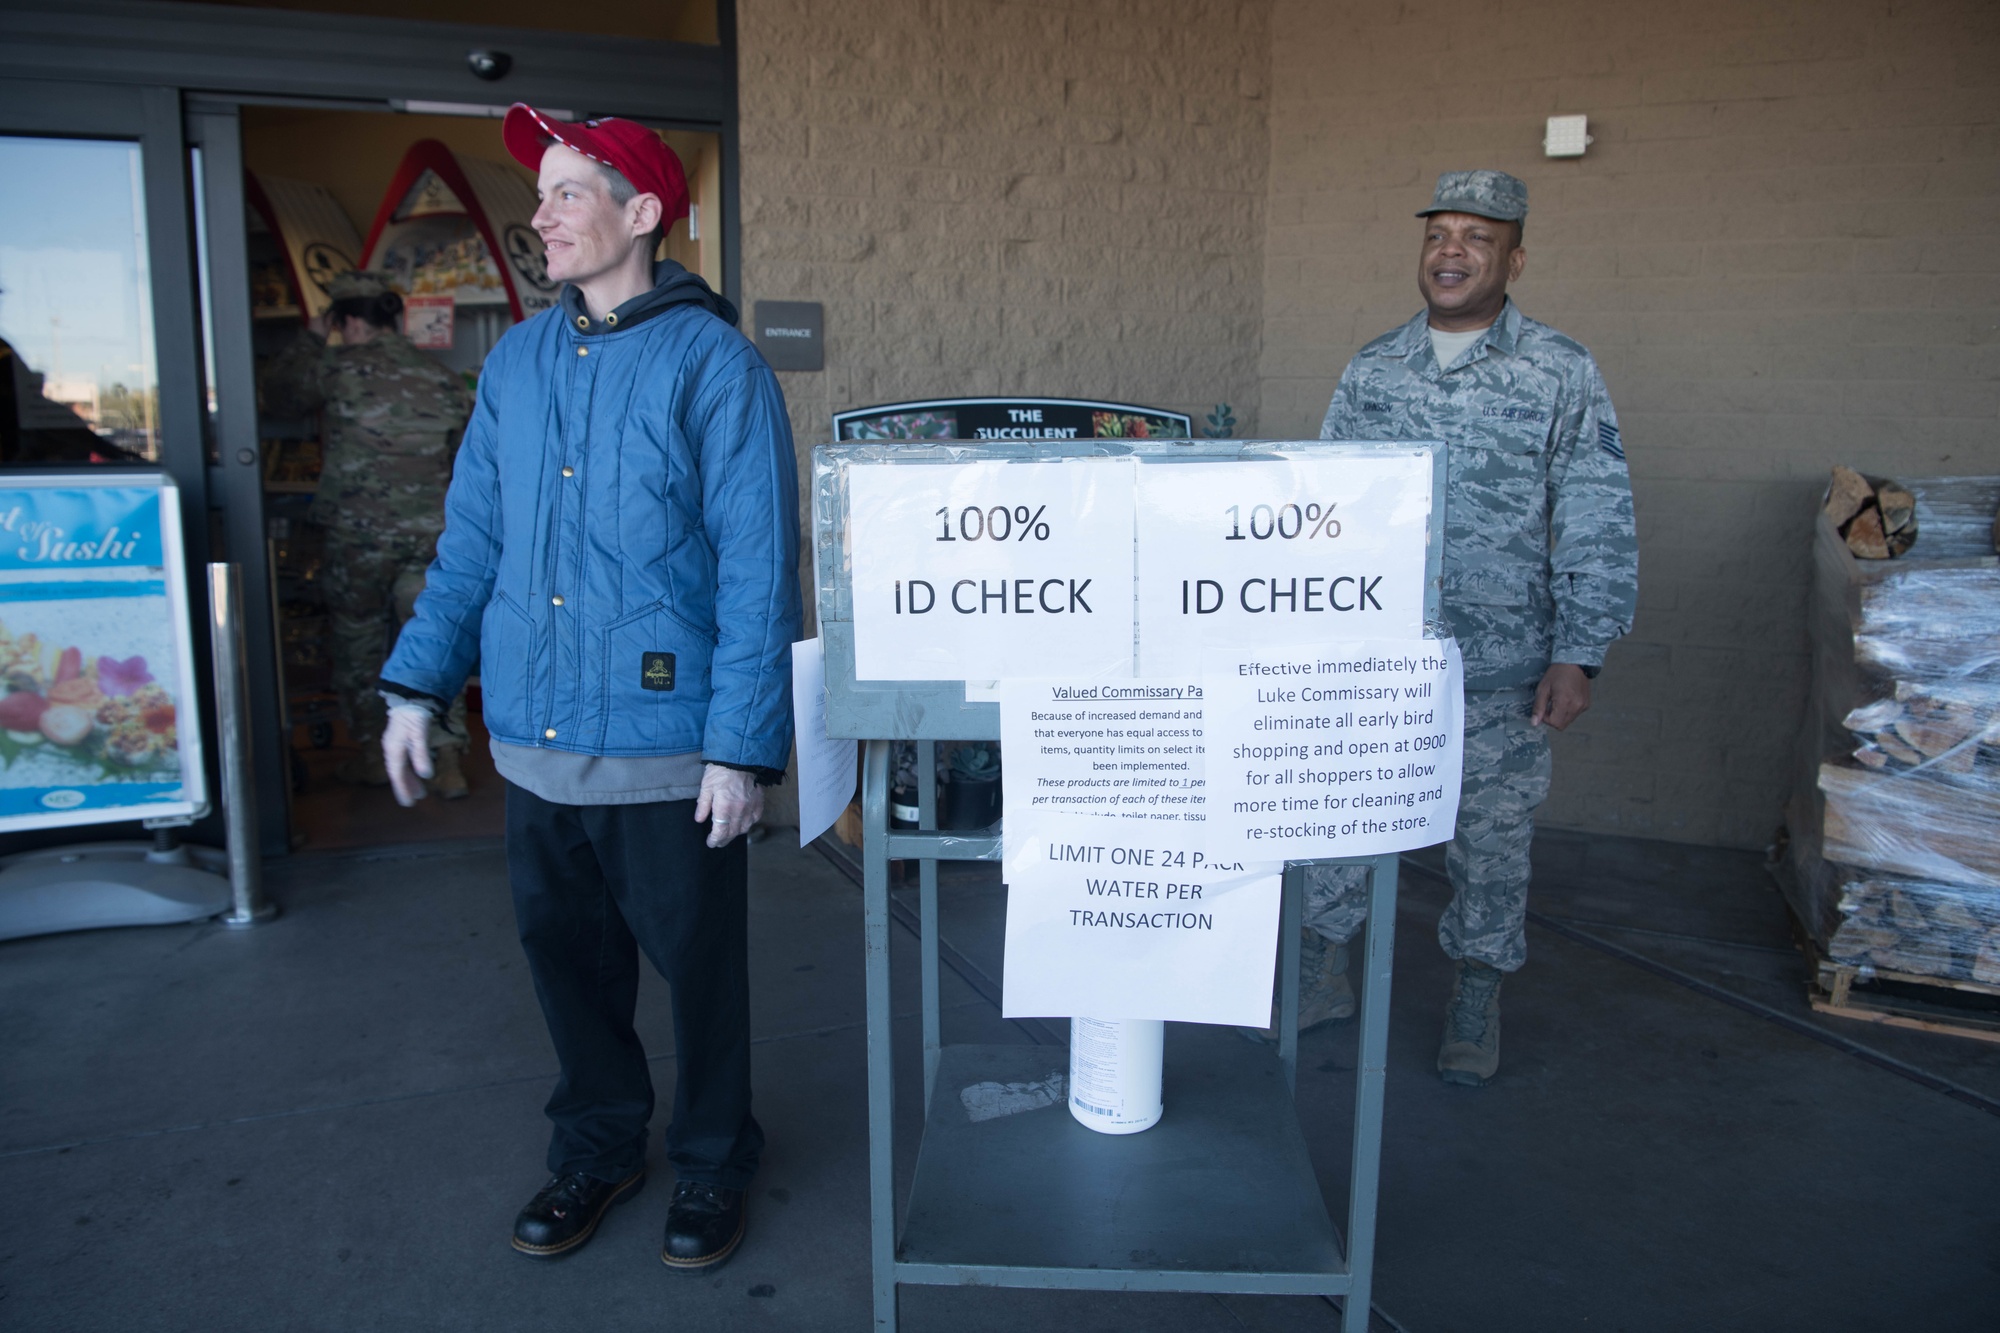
(1222, 1185)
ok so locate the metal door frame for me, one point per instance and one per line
(236, 478)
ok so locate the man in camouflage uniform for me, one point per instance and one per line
(393, 417)
(1541, 571)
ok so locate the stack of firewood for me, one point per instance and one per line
(1874, 516)
(1926, 798)
(1896, 831)
(1947, 729)
(1932, 930)
(1911, 824)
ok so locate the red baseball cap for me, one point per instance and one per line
(627, 147)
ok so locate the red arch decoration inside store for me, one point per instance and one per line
(430, 155)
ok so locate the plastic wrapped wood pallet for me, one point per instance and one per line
(1893, 862)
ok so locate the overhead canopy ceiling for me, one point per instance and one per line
(652, 20)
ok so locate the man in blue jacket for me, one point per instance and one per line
(619, 557)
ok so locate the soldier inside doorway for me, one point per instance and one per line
(393, 417)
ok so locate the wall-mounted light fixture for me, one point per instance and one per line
(1567, 136)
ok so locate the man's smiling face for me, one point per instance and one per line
(586, 231)
(1465, 267)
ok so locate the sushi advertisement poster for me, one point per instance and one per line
(97, 684)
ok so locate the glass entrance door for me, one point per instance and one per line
(100, 329)
(80, 383)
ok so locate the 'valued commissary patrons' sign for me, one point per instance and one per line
(97, 686)
(1109, 567)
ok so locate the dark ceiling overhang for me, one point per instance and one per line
(229, 49)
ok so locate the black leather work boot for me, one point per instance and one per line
(565, 1212)
(704, 1226)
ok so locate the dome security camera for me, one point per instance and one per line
(491, 66)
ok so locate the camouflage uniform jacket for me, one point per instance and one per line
(393, 416)
(1541, 562)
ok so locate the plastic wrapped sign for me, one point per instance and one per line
(990, 419)
(97, 684)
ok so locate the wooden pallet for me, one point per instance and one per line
(1921, 1003)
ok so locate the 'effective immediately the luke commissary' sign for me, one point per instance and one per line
(1106, 567)
(97, 718)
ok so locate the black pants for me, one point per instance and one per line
(593, 885)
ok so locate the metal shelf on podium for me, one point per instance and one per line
(1220, 1196)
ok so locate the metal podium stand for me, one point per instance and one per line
(1221, 1195)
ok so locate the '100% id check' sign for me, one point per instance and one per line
(1108, 567)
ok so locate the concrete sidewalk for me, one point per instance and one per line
(328, 1124)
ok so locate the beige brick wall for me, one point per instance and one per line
(1055, 200)
(1042, 199)
(1781, 248)
(1784, 249)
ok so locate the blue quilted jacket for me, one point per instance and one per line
(620, 551)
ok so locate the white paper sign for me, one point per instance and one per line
(989, 570)
(428, 321)
(1125, 927)
(1334, 749)
(1114, 907)
(1111, 752)
(1280, 551)
(826, 765)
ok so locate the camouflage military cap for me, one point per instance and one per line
(358, 284)
(1486, 194)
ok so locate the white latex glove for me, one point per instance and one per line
(733, 798)
(406, 745)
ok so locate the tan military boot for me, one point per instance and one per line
(1324, 993)
(1470, 1053)
(449, 779)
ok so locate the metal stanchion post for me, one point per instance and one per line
(232, 729)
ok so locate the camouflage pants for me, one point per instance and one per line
(372, 580)
(1506, 778)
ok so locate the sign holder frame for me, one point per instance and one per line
(1221, 1196)
(194, 802)
(877, 411)
(127, 882)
